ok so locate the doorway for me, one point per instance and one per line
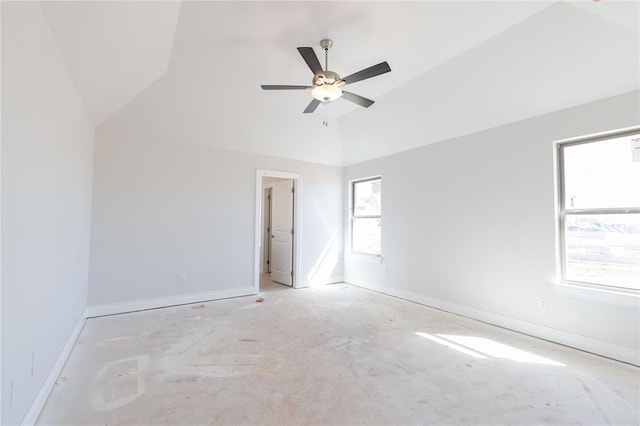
(276, 236)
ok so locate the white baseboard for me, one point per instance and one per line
(587, 344)
(328, 280)
(38, 403)
(163, 302)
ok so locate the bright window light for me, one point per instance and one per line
(366, 216)
(327, 261)
(599, 211)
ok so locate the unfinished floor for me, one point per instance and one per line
(333, 355)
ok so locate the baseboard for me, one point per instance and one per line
(38, 403)
(587, 344)
(328, 280)
(163, 302)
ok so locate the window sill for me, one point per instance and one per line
(605, 295)
(369, 258)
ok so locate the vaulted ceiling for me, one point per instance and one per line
(190, 72)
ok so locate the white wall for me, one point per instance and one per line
(163, 209)
(47, 149)
(469, 226)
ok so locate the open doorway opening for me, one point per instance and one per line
(276, 236)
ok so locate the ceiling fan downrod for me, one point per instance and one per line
(326, 44)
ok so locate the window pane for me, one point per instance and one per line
(367, 198)
(601, 174)
(603, 249)
(366, 236)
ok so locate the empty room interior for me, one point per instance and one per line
(235, 212)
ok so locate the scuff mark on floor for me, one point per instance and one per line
(119, 383)
(596, 403)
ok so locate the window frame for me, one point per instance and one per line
(353, 217)
(562, 212)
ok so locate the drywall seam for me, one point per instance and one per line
(163, 302)
(334, 279)
(588, 344)
(38, 403)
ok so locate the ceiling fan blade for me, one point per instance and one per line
(283, 87)
(310, 58)
(312, 106)
(357, 99)
(372, 71)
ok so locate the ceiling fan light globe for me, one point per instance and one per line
(326, 93)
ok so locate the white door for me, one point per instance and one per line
(282, 232)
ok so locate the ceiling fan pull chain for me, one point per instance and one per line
(325, 122)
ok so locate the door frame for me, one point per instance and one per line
(297, 184)
(265, 253)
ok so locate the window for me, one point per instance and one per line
(366, 216)
(599, 210)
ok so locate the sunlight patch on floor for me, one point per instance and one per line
(450, 345)
(476, 346)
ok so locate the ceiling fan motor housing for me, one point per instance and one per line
(325, 77)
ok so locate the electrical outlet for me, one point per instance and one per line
(33, 362)
(182, 279)
(544, 303)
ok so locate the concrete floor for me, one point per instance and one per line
(333, 355)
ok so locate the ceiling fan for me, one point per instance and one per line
(327, 85)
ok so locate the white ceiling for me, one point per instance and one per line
(114, 50)
(190, 72)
